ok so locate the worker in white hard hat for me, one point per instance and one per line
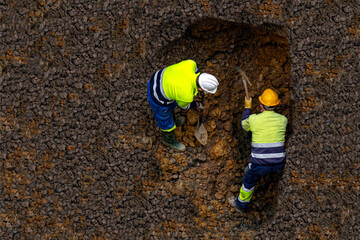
(174, 86)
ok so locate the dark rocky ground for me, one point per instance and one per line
(74, 115)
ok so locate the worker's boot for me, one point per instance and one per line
(232, 201)
(168, 139)
(180, 121)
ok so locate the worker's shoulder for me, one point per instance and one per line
(263, 115)
(254, 116)
(280, 115)
(188, 62)
(180, 66)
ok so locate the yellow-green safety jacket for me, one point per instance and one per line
(175, 83)
(268, 136)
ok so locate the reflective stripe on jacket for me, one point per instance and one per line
(175, 83)
(268, 136)
(157, 90)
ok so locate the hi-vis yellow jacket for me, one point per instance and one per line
(268, 136)
(175, 83)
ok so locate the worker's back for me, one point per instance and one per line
(179, 82)
(267, 127)
(268, 137)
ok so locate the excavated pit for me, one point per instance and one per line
(210, 174)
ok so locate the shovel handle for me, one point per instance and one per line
(202, 98)
(200, 117)
(202, 102)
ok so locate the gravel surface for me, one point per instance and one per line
(80, 156)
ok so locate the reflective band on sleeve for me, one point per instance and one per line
(267, 145)
(161, 85)
(268, 155)
(187, 108)
(154, 88)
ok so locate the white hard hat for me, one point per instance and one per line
(208, 82)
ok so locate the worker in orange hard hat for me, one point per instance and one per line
(269, 98)
(267, 146)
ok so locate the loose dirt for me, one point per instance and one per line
(217, 47)
(80, 156)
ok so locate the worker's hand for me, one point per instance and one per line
(200, 106)
(248, 103)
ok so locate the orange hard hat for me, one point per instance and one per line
(269, 98)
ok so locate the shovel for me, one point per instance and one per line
(200, 132)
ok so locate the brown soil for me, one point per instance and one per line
(80, 156)
(216, 170)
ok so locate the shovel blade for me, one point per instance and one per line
(201, 134)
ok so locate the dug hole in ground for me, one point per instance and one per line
(207, 175)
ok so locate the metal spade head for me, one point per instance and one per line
(200, 133)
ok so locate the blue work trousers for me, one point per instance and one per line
(164, 115)
(253, 172)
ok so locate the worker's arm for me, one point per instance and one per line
(192, 105)
(245, 123)
(192, 65)
(186, 105)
